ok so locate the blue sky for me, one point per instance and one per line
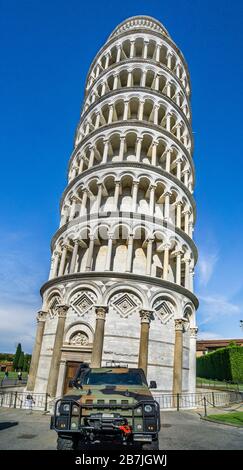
(46, 50)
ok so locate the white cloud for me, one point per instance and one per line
(209, 335)
(21, 275)
(17, 325)
(214, 307)
(206, 265)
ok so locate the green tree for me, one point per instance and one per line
(27, 359)
(17, 356)
(232, 344)
(21, 361)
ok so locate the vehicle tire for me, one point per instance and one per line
(154, 445)
(65, 444)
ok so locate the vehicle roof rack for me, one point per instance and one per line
(116, 364)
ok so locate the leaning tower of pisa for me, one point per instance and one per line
(121, 280)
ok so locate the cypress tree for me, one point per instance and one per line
(17, 356)
(21, 361)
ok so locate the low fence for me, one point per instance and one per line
(219, 385)
(12, 382)
(197, 400)
(180, 401)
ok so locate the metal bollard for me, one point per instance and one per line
(205, 406)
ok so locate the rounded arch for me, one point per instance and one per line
(79, 327)
(92, 286)
(125, 288)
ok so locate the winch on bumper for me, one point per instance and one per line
(138, 423)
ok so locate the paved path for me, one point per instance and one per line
(180, 430)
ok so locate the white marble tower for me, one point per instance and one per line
(121, 278)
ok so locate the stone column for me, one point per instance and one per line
(111, 111)
(178, 267)
(74, 256)
(56, 354)
(154, 153)
(138, 148)
(168, 118)
(81, 165)
(99, 197)
(145, 49)
(167, 195)
(168, 90)
(178, 130)
(116, 195)
(53, 272)
(73, 208)
(186, 175)
(129, 254)
(168, 160)
(109, 253)
(107, 58)
(96, 358)
(146, 317)
(143, 78)
(132, 49)
(63, 260)
(129, 79)
(169, 57)
(192, 360)
(178, 214)
(105, 152)
(115, 83)
(186, 227)
(166, 261)
(187, 273)
(90, 253)
(126, 109)
(157, 54)
(178, 167)
(156, 82)
(151, 198)
(121, 149)
(178, 356)
(41, 318)
(91, 157)
(156, 114)
(140, 110)
(149, 256)
(134, 195)
(118, 54)
(84, 202)
(97, 120)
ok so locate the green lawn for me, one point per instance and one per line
(236, 417)
(13, 375)
(218, 383)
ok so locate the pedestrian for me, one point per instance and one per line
(20, 375)
(29, 402)
(6, 374)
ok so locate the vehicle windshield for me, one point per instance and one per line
(111, 378)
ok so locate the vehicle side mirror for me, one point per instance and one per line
(153, 384)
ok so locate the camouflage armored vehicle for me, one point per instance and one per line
(109, 405)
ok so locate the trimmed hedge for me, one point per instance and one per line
(223, 364)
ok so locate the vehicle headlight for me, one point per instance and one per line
(75, 410)
(138, 427)
(148, 408)
(66, 408)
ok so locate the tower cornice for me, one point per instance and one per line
(126, 276)
(130, 124)
(168, 40)
(142, 166)
(106, 215)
